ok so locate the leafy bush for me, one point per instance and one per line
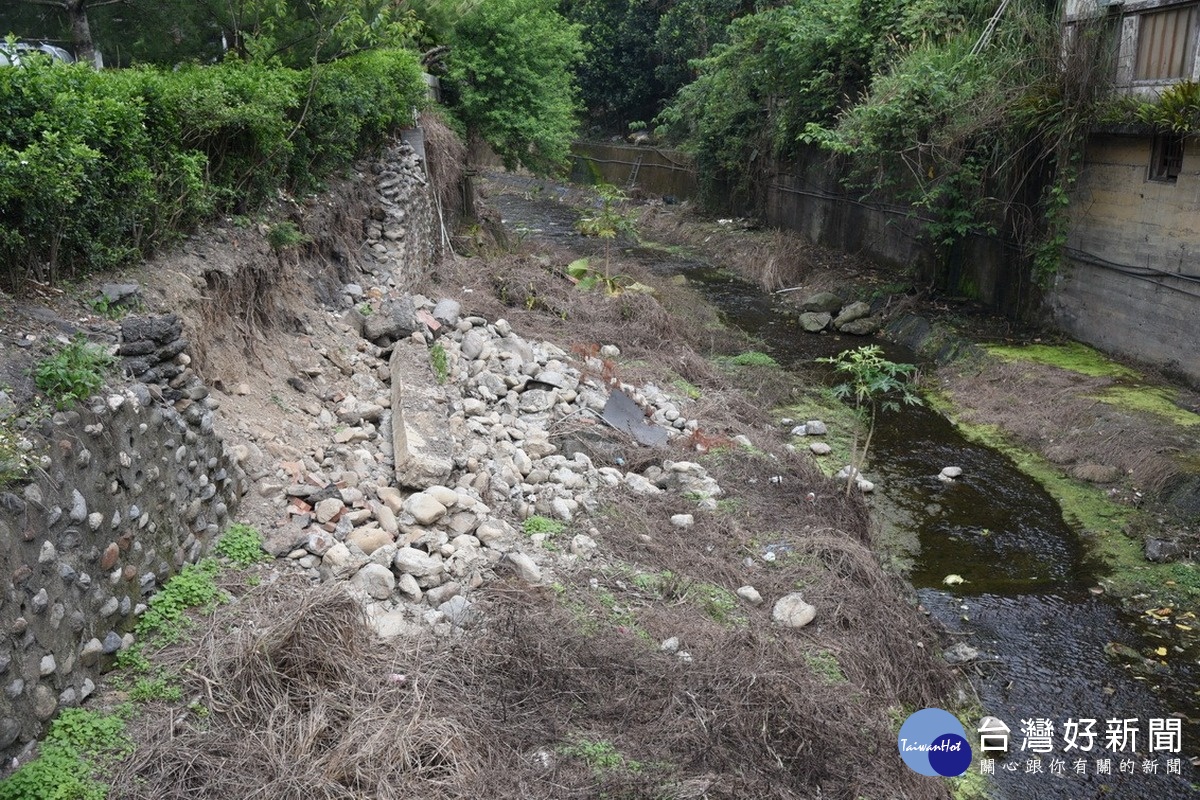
(242, 544)
(74, 373)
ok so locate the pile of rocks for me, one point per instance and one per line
(826, 311)
(522, 425)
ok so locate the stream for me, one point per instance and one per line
(1049, 648)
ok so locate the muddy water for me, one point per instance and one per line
(1050, 648)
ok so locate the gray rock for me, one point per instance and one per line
(418, 563)
(327, 509)
(683, 520)
(526, 569)
(815, 427)
(864, 326)
(791, 611)
(407, 585)
(369, 539)
(960, 653)
(447, 311)
(815, 321)
(669, 645)
(45, 703)
(375, 580)
(826, 302)
(750, 595)
(583, 546)
(820, 448)
(458, 611)
(79, 510)
(854, 311)
(424, 508)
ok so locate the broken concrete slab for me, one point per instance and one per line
(422, 446)
(625, 415)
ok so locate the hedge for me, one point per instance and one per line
(98, 169)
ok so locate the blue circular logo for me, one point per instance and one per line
(933, 742)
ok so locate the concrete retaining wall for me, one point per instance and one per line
(1131, 284)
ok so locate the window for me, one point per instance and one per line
(1166, 157)
(1166, 44)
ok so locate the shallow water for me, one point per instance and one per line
(1024, 602)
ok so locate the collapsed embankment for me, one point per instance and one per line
(567, 611)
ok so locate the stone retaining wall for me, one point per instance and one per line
(130, 487)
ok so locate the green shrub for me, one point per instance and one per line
(74, 373)
(439, 361)
(242, 544)
(100, 168)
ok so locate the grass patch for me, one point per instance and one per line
(825, 665)
(158, 687)
(687, 389)
(599, 755)
(539, 524)
(75, 372)
(751, 358)
(840, 419)
(79, 748)
(1157, 400)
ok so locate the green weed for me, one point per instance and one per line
(600, 755)
(242, 544)
(752, 358)
(193, 587)
(825, 665)
(158, 687)
(440, 363)
(284, 235)
(540, 524)
(78, 745)
(74, 373)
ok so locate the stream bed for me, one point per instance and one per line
(1048, 647)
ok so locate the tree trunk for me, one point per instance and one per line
(81, 31)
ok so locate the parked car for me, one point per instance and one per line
(11, 54)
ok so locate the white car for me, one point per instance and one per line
(10, 55)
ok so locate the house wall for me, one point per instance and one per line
(1131, 281)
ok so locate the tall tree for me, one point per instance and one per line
(510, 71)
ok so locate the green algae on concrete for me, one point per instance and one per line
(1071, 356)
